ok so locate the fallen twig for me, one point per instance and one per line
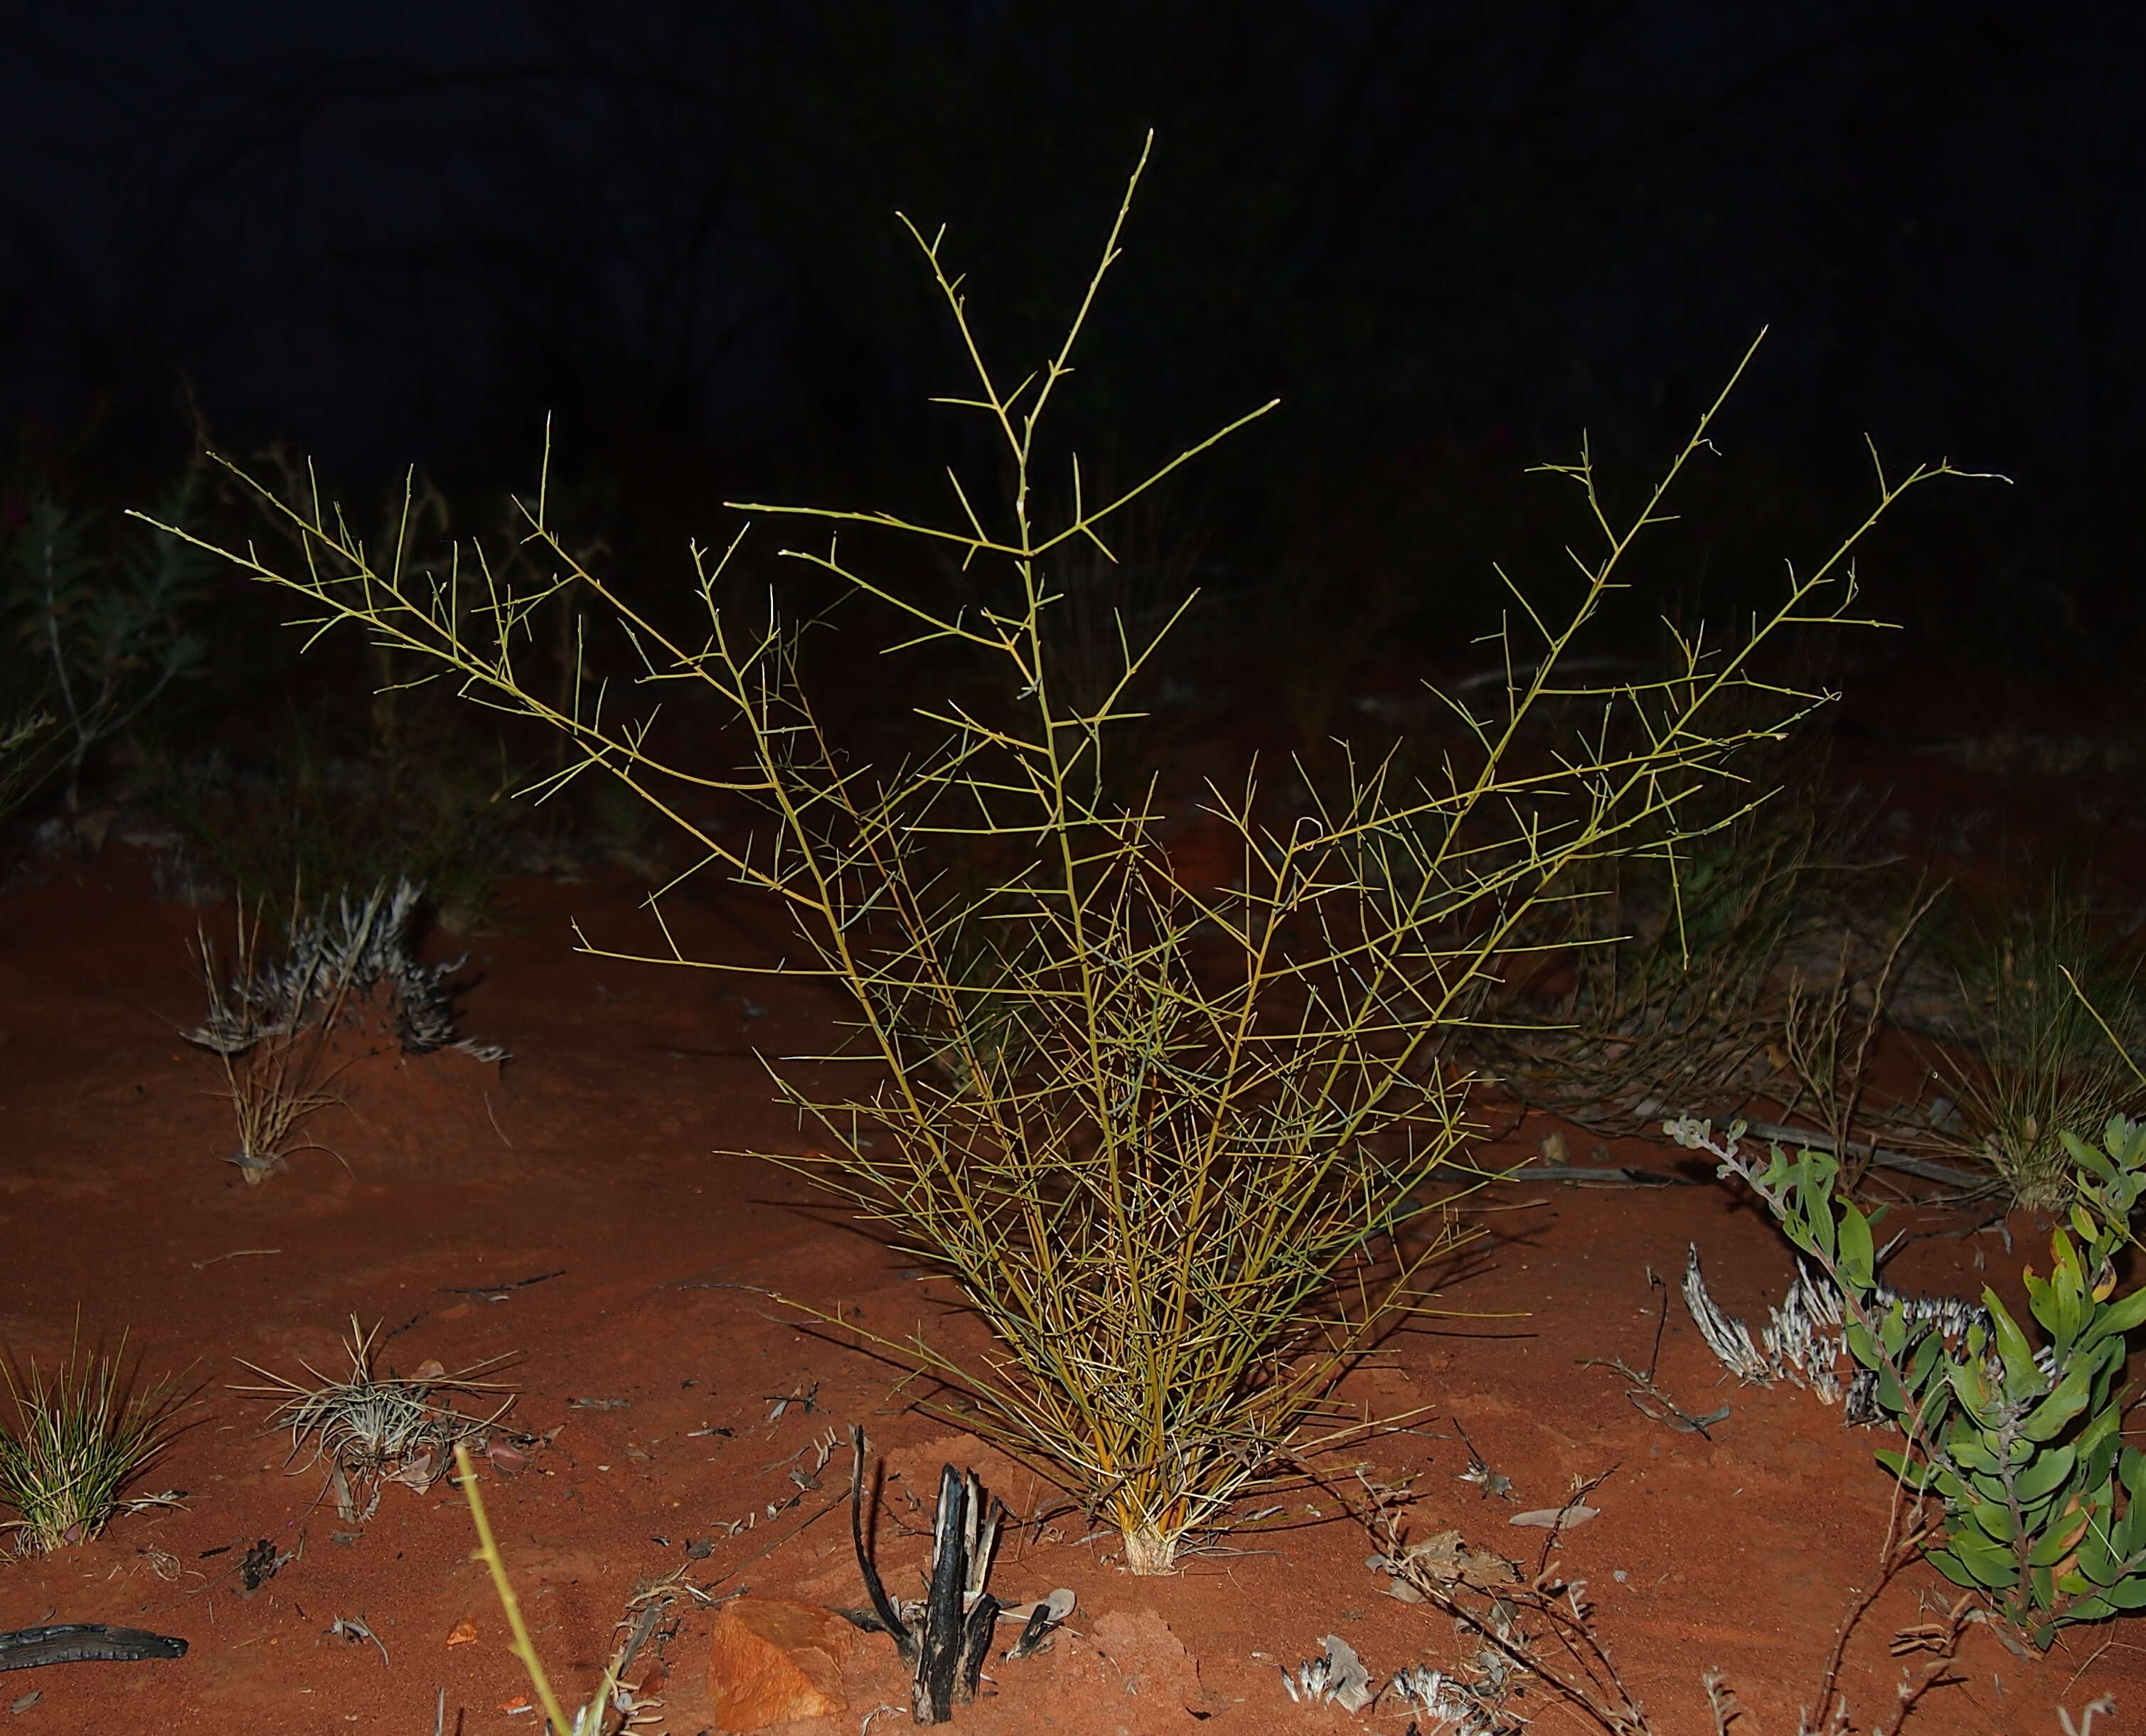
(1641, 1389)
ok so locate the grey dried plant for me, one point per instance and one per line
(337, 963)
(1827, 1037)
(370, 1428)
(273, 1022)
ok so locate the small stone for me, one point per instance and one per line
(770, 1660)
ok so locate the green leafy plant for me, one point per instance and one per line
(316, 808)
(2043, 1504)
(25, 741)
(109, 621)
(1168, 1143)
(82, 1434)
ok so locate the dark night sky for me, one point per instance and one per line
(1447, 235)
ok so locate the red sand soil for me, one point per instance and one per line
(588, 1157)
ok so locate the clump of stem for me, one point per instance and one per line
(1178, 1149)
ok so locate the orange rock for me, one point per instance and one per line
(770, 1660)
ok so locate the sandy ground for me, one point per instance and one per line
(673, 1401)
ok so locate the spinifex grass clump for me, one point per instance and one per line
(81, 1434)
(275, 1061)
(2039, 1068)
(1164, 1141)
(1670, 961)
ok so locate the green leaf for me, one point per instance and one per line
(1818, 1216)
(2127, 1536)
(2021, 1376)
(2089, 1159)
(1954, 1569)
(2125, 1313)
(1995, 1520)
(2034, 1516)
(1965, 1379)
(2128, 1593)
(2048, 1418)
(2042, 1477)
(2087, 1609)
(2043, 1303)
(2052, 1546)
(1893, 1331)
(1916, 1473)
(1856, 1252)
(2095, 1560)
(2097, 1448)
(1924, 1361)
(1993, 1567)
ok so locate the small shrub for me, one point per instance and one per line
(1167, 1142)
(110, 621)
(82, 1434)
(1827, 1034)
(25, 743)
